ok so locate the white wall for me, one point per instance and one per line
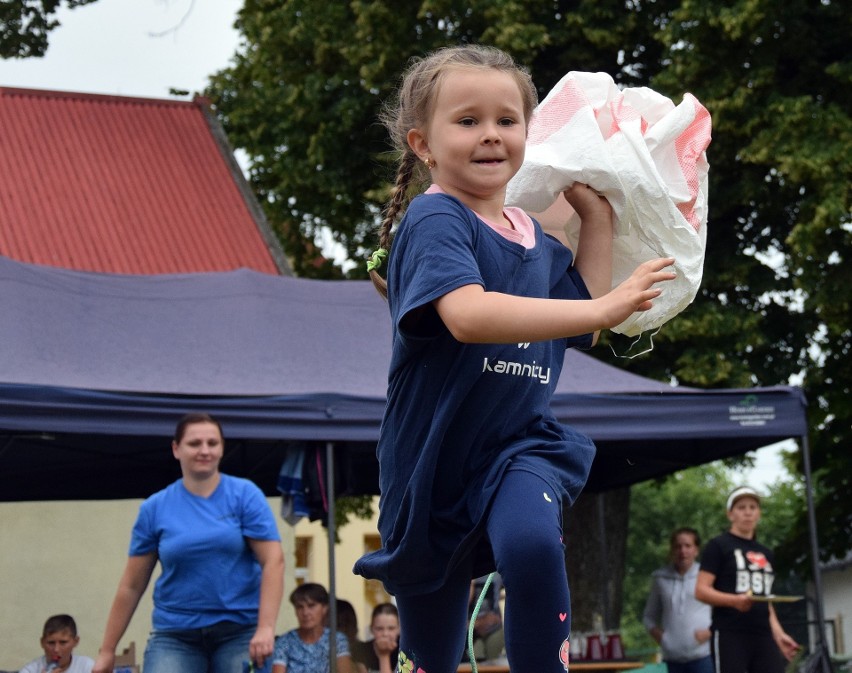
(350, 587)
(837, 599)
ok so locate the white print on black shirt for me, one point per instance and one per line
(754, 572)
(533, 371)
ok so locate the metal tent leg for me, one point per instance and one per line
(332, 583)
(819, 661)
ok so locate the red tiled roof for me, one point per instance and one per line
(124, 185)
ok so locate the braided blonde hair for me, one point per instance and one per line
(412, 108)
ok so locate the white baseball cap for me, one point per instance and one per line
(742, 492)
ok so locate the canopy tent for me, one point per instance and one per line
(96, 368)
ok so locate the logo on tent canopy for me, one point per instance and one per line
(749, 412)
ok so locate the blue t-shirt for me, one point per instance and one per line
(301, 657)
(209, 573)
(459, 415)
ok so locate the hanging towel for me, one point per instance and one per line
(290, 485)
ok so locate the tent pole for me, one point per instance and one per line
(332, 535)
(604, 565)
(821, 648)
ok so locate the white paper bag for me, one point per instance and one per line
(646, 156)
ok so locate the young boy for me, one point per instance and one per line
(58, 640)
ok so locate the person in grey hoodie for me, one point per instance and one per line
(673, 616)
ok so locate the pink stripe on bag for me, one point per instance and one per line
(556, 111)
(689, 146)
(622, 113)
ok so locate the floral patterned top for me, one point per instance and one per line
(301, 657)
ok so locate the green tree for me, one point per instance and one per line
(25, 25)
(303, 94)
(689, 498)
(774, 302)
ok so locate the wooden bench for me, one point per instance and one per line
(126, 661)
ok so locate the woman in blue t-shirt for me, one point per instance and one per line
(217, 598)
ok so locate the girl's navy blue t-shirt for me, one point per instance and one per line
(459, 415)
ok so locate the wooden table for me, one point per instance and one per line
(605, 666)
(600, 666)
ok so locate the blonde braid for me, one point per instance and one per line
(398, 200)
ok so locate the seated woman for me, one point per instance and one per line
(347, 624)
(306, 649)
(379, 655)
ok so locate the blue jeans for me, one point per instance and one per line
(703, 665)
(220, 648)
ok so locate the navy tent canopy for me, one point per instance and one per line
(95, 369)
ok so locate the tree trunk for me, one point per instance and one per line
(595, 555)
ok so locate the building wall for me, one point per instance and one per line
(837, 604)
(356, 537)
(68, 557)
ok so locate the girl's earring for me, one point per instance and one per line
(430, 163)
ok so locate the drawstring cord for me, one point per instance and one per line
(636, 341)
(473, 620)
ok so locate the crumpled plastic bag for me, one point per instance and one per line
(646, 156)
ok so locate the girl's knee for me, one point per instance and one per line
(532, 557)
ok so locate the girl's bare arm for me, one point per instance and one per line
(473, 315)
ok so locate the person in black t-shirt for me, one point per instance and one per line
(736, 569)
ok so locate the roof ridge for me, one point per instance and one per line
(196, 101)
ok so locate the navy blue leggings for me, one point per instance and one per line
(525, 529)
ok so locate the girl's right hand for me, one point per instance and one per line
(637, 292)
(587, 203)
